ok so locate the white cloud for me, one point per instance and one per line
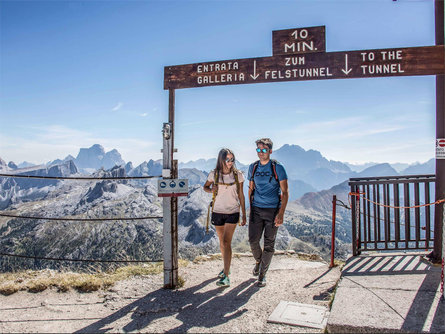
(117, 107)
(144, 114)
(43, 144)
(343, 128)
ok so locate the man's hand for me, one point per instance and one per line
(279, 219)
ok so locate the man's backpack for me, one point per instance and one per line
(274, 170)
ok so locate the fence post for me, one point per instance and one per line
(440, 133)
(443, 251)
(354, 222)
(334, 207)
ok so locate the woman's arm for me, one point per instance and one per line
(209, 187)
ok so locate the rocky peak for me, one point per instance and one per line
(12, 165)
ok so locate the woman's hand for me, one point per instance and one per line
(243, 220)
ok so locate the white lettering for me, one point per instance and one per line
(368, 56)
(291, 47)
(382, 69)
(217, 67)
(297, 73)
(306, 46)
(302, 34)
(299, 46)
(391, 55)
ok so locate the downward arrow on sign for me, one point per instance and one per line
(254, 76)
(345, 70)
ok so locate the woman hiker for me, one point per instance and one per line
(226, 184)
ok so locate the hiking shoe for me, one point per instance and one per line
(223, 281)
(221, 274)
(256, 269)
(261, 281)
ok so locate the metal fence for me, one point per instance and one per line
(392, 213)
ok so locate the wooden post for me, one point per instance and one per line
(440, 133)
(334, 207)
(354, 222)
(170, 204)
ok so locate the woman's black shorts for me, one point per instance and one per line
(219, 219)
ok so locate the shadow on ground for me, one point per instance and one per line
(190, 307)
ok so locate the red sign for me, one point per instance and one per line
(441, 143)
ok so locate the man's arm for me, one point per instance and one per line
(284, 198)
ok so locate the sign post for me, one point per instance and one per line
(170, 204)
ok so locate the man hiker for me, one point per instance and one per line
(267, 179)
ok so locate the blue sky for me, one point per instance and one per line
(77, 73)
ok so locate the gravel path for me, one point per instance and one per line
(141, 305)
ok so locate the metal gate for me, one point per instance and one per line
(392, 213)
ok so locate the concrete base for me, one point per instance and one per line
(398, 292)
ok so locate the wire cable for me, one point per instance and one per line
(358, 195)
(80, 219)
(77, 260)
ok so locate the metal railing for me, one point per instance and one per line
(392, 213)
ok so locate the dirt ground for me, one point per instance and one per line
(142, 305)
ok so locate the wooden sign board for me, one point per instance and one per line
(298, 41)
(429, 60)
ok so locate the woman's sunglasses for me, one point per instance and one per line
(230, 160)
(263, 150)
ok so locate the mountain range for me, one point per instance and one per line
(307, 224)
(308, 171)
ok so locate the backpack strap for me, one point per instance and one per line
(235, 175)
(210, 209)
(255, 166)
(252, 178)
(273, 163)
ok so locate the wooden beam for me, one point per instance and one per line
(428, 60)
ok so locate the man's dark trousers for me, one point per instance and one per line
(263, 220)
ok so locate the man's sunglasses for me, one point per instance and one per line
(230, 160)
(263, 150)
